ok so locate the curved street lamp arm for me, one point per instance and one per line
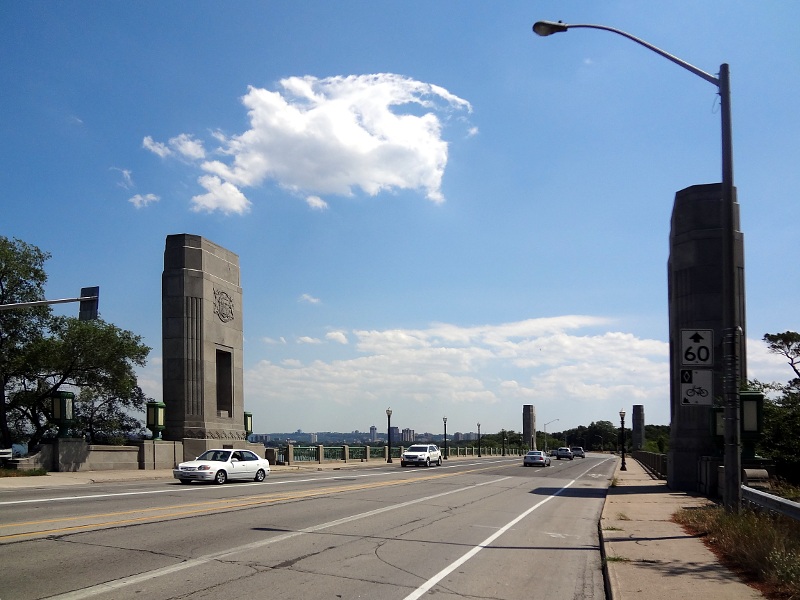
(550, 27)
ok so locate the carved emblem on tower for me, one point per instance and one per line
(223, 305)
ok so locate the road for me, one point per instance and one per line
(482, 528)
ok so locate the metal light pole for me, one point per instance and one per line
(732, 327)
(389, 432)
(624, 467)
(503, 441)
(479, 440)
(545, 433)
(444, 420)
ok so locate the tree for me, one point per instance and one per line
(22, 279)
(781, 434)
(41, 354)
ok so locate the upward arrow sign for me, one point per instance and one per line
(696, 337)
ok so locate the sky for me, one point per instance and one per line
(435, 210)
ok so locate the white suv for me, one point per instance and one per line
(564, 452)
(421, 454)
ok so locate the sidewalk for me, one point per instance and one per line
(649, 556)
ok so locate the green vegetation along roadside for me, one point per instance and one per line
(764, 549)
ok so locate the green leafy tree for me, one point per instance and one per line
(781, 436)
(22, 279)
(41, 354)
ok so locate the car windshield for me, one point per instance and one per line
(217, 455)
(418, 449)
(532, 453)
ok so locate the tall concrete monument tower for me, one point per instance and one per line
(202, 345)
(696, 332)
(529, 426)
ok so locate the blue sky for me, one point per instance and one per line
(435, 210)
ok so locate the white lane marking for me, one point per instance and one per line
(224, 554)
(420, 591)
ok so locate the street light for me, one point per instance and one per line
(600, 437)
(545, 433)
(389, 433)
(731, 317)
(479, 440)
(444, 420)
(624, 467)
(503, 432)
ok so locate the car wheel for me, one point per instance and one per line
(260, 474)
(185, 480)
(427, 462)
(402, 464)
(439, 462)
(220, 477)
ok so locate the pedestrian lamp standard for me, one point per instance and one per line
(479, 440)
(444, 420)
(624, 467)
(389, 433)
(731, 326)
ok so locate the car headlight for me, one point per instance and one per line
(204, 468)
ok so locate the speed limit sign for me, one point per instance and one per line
(697, 347)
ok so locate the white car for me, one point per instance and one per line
(534, 458)
(421, 454)
(564, 452)
(578, 451)
(221, 465)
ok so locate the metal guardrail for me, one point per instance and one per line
(772, 503)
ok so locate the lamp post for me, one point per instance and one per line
(545, 433)
(155, 418)
(731, 316)
(600, 437)
(479, 440)
(624, 467)
(389, 433)
(503, 441)
(444, 420)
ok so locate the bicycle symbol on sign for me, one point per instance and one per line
(697, 390)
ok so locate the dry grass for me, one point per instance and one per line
(764, 549)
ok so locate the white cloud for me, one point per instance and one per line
(127, 178)
(316, 203)
(337, 336)
(565, 366)
(156, 148)
(188, 147)
(375, 133)
(221, 196)
(308, 299)
(304, 339)
(142, 201)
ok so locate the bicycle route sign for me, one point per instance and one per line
(696, 387)
(697, 347)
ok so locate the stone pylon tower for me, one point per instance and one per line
(695, 303)
(202, 344)
(529, 426)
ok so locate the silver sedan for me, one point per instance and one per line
(536, 458)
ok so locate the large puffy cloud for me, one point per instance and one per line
(328, 136)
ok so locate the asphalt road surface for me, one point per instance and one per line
(483, 528)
